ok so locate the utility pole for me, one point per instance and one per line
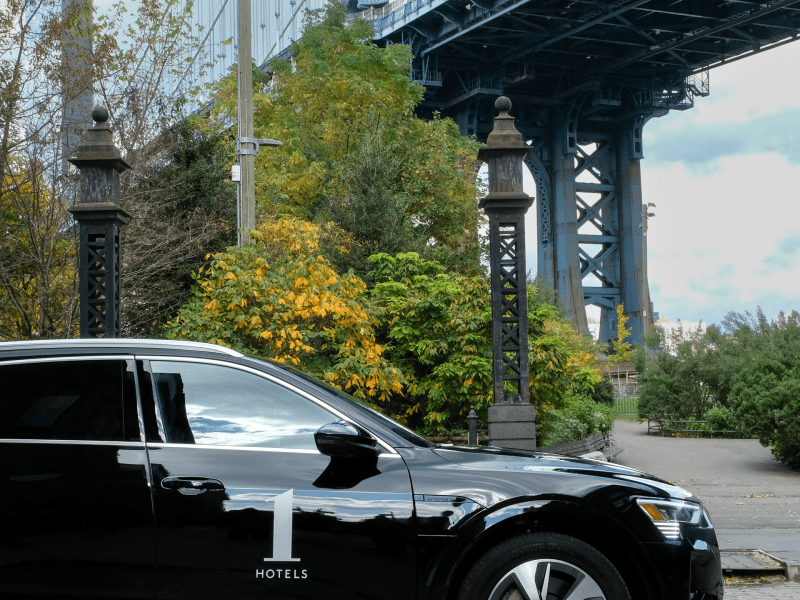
(247, 185)
(246, 145)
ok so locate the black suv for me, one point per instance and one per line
(176, 470)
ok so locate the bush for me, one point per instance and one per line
(581, 418)
(720, 419)
(765, 400)
(603, 392)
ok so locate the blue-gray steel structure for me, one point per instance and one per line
(584, 77)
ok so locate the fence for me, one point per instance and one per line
(626, 406)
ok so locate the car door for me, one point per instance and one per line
(74, 495)
(247, 507)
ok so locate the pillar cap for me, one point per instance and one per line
(97, 148)
(504, 136)
(99, 212)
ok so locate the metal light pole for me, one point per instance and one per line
(512, 418)
(645, 287)
(99, 218)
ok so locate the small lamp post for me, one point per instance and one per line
(645, 302)
(99, 218)
(512, 418)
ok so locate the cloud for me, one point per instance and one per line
(666, 140)
(783, 259)
(725, 240)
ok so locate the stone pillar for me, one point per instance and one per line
(99, 218)
(512, 418)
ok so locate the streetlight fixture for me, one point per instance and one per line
(645, 301)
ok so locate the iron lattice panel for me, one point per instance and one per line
(509, 307)
(99, 279)
(598, 224)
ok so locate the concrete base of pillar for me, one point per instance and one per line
(513, 426)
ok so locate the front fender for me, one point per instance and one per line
(445, 559)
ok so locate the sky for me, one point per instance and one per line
(724, 177)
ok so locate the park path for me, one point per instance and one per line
(754, 500)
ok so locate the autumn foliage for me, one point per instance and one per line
(280, 299)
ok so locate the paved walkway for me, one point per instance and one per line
(754, 500)
(774, 591)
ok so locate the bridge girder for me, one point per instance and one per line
(584, 78)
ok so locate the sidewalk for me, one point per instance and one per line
(754, 501)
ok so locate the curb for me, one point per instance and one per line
(752, 561)
(792, 571)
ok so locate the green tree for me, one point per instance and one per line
(765, 400)
(437, 330)
(759, 379)
(343, 109)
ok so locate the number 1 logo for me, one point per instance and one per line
(282, 528)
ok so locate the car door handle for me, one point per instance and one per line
(192, 486)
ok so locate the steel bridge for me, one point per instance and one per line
(584, 77)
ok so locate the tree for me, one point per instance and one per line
(760, 379)
(436, 328)
(343, 109)
(185, 209)
(38, 293)
(765, 400)
(54, 57)
(280, 299)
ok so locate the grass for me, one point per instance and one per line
(628, 418)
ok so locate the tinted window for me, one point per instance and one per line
(221, 406)
(66, 400)
(360, 407)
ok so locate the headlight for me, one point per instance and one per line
(668, 515)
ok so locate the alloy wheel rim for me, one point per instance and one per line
(546, 579)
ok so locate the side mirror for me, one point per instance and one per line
(345, 440)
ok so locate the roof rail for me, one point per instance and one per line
(117, 343)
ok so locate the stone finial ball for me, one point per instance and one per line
(503, 104)
(99, 114)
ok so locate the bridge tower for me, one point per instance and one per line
(589, 206)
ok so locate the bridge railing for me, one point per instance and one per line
(392, 13)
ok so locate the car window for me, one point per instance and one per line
(213, 405)
(358, 406)
(67, 400)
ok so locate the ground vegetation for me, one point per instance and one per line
(740, 375)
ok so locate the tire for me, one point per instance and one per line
(543, 566)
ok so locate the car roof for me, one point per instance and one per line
(114, 343)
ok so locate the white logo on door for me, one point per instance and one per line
(282, 528)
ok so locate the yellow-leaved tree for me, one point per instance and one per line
(280, 299)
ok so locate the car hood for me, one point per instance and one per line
(571, 474)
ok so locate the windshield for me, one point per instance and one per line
(357, 405)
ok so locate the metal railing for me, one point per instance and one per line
(390, 14)
(626, 406)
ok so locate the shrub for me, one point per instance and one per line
(765, 400)
(603, 392)
(581, 418)
(720, 419)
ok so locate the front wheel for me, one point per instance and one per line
(543, 566)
